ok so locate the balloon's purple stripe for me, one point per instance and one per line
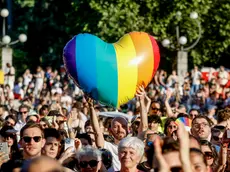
(70, 58)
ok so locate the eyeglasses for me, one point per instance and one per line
(24, 112)
(196, 125)
(92, 163)
(208, 155)
(28, 139)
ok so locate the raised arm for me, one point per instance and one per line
(169, 111)
(96, 127)
(143, 111)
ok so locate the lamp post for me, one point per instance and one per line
(6, 42)
(182, 52)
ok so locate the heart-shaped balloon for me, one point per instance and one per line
(111, 73)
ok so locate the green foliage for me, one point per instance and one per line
(49, 24)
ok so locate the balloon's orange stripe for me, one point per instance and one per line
(144, 57)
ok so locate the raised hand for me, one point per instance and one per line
(141, 93)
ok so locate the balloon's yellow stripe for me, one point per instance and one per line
(127, 66)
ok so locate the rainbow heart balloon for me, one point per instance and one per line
(111, 73)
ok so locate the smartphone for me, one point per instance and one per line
(69, 143)
(4, 148)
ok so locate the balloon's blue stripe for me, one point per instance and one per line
(107, 76)
(69, 53)
(86, 63)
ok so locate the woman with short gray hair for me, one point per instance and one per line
(130, 152)
(89, 159)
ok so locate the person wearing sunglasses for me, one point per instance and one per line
(23, 113)
(9, 135)
(210, 153)
(130, 152)
(90, 159)
(32, 140)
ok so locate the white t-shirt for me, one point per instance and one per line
(114, 151)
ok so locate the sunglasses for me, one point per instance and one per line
(208, 155)
(92, 163)
(23, 112)
(28, 139)
(155, 109)
(9, 135)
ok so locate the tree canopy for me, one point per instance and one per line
(49, 24)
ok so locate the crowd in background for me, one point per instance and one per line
(49, 124)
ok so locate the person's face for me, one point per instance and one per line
(23, 112)
(119, 129)
(9, 139)
(10, 122)
(207, 154)
(155, 109)
(43, 125)
(193, 114)
(153, 126)
(92, 165)
(51, 147)
(128, 157)
(197, 163)
(171, 128)
(201, 128)
(84, 142)
(32, 147)
(88, 129)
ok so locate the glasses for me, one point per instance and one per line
(28, 139)
(196, 125)
(92, 163)
(9, 135)
(156, 109)
(24, 112)
(208, 155)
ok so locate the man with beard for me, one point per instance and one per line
(119, 130)
(32, 140)
(201, 127)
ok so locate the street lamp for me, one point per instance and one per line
(182, 52)
(5, 43)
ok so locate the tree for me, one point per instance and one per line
(50, 24)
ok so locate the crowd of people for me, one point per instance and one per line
(49, 125)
